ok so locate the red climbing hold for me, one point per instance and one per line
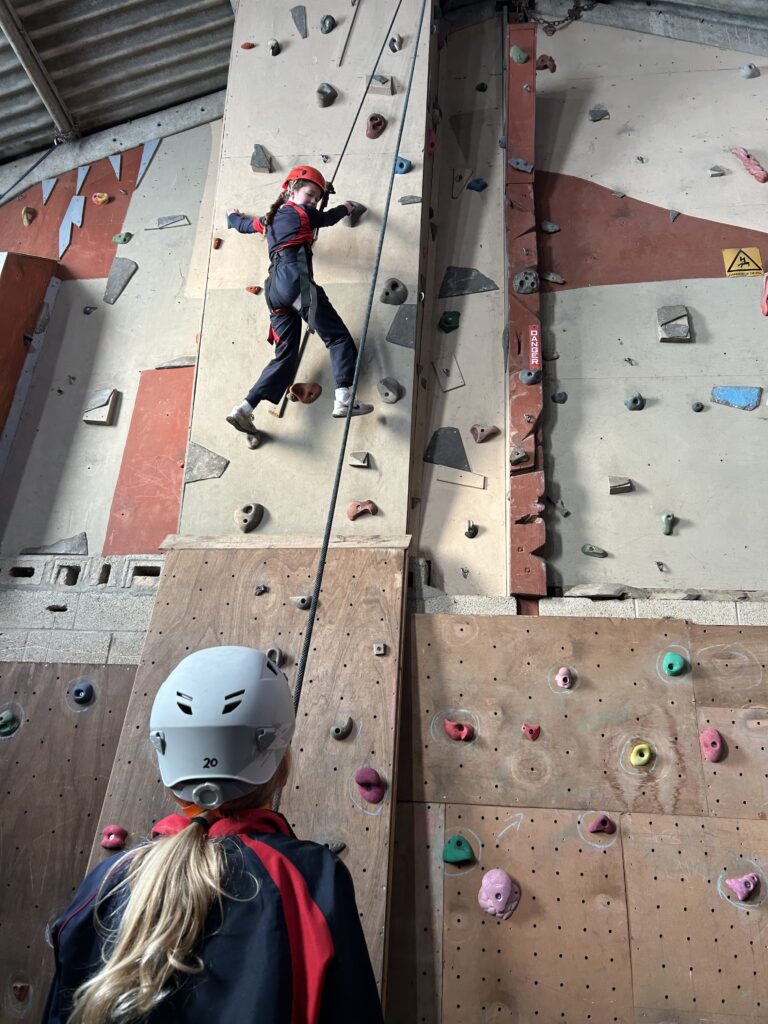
(359, 508)
(304, 393)
(546, 63)
(603, 823)
(217, 243)
(711, 744)
(254, 289)
(531, 732)
(113, 837)
(371, 785)
(462, 731)
(376, 125)
(758, 172)
(20, 991)
(247, 46)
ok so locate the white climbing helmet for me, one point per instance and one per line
(221, 723)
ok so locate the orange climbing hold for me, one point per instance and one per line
(355, 509)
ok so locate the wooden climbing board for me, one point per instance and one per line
(632, 927)
(54, 770)
(206, 598)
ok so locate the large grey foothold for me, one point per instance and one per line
(549, 227)
(525, 282)
(326, 94)
(716, 171)
(357, 212)
(391, 390)
(749, 71)
(519, 164)
(464, 281)
(446, 448)
(394, 292)
(249, 516)
(261, 161)
(620, 485)
(635, 402)
(381, 85)
(359, 459)
(302, 602)
(299, 15)
(403, 329)
(552, 277)
(599, 114)
(77, 545)
(409, 200)
(327, 24)
(174, 364)
(120, 273)
(203, 464)
(674, 323)
(101, 407)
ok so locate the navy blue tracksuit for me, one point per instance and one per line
(288, 948)
(292, 295)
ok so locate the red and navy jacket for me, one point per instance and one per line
(292, 225)
(287, 948)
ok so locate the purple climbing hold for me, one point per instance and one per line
(603, 823)
(564, 678)
(370, 784)
(711, 744)
(498, 895)
(745, 887)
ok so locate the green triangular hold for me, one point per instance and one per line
(458, 851)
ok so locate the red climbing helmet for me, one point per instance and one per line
(306, 174)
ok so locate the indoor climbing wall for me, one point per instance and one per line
(274, 121)
(59, 727)
(210, 597)
(622, 855)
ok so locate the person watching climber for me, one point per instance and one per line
(292, 295)
(224, 915)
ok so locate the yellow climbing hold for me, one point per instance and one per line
(641, 755)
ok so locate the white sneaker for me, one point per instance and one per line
(341, 405)
(242, 421)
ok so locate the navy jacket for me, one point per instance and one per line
(292, 225)
(288, 949)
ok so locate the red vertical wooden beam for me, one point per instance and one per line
(528, 572)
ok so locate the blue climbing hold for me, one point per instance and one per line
(737, 398)
(402, 165)
(478, 185)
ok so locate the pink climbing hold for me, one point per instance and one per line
(483, 431)
(757, 171)
(498, 895)
(603, 823)
(711, 744)
(462, 731)
(371, 785)
(431, 142)
(531, 732)
(564, 678)
(113, 837)
(745, 887)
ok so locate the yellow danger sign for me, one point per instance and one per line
(742, 262)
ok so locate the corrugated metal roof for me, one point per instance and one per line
(111, 60)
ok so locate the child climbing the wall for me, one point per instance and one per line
(292, 295)
(224, 915)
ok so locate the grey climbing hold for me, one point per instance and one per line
(327, 24)
(357, 212)
(394, 292)
(148, 151)
(673, 215)
(599, 114)
(172, 220)
(697, 406)
(302, 602)
(749, 71)
(620, 485)
(120, 273)
(379, 650)
(249, 516)
(276, 656)
(203, 464)
(326, 94)
(82, 174)
(340, 732)
(517, 455)
(101, 407)
(593, 551)
(552, 277)
(446, 448)
(525, 282)
(716, 171)
(403, 328)
(48, 186)
(409, 200)
(360, 459)
(335, 846)
(87, 310)
(668, 521)
(674, 323)
(175, 364)
(481, 87)
(73, 217)
(737, 398)
(390, 389)
(82, 693)
(274, 47)
(260, 589)
(381, 85)
(75, 545)
(396, 43)
(519, 164)
(471, 530)
(299, 15)
(549, 227)
(635, 402)
(464, 281)
(529, 376)
(618, 194)
(560, 397)
(261, 161)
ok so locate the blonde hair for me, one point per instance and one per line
(171, 885)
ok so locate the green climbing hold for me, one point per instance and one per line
(122, 238)
(449, 321)
(667, 523)
(458, 851)
(518, 55)
(593, 551)
(641, 755)
(9, 723)
(674, 664)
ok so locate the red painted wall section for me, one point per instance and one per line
(23, 283)
(91, 250)
(147, 498)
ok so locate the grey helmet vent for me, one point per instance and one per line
(231, 704)
(187, 706)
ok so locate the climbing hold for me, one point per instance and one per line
(9, 723)
(746, 398)
(674, 664)
(87, 310)
(100, 198)
(711, 743)
(379, 650)
(471, 530)
(261, 161)
(299, 15)
(483, 431)
(517, 454)
(217, 243)
(546, 63)
(303, 601)
(122, 238)
(355, 509)
(120, 273)
(376, 125)
(82, 693)
(599, 114)
(394, 292)
(635, 402)
(593, 551)
(20, 990)
(276, 656)
(549, 227)
(273, 47)
(335, 846)
(531, 732)
(478, 185)
(529, 376)
(247, 46)
(674, 323)
(552, 277)
(716, 171)
(396, 43)
(620, 485)
(253, 289)
(560, 397)
(357, 212)
(326, 94)
(381, 85)
(498, 895)
(668, 521)
(750, 164)
(113, 837)
(391, 390)
(402, 166)
(673, 215)
(518, 55)
(564, 678)
(304, 393)
(260, 590)
(327, 24)
(641, 755)
(340, 732)
(745, 887)
(519, 164)
(525, 282)
(449, 321)
(249, 516)
(409, 200)
(28, 214)
(461, 731)
(698, 406)
(370, 785)
(603, 823)
(749, 71)
(457, 850)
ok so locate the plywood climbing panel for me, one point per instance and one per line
(729, 665)
(208, 598)
(54, 769)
